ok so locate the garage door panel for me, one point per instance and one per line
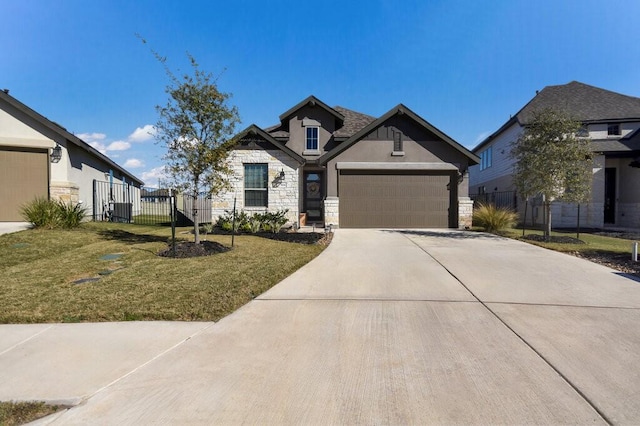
(393, 200)
(24, 176)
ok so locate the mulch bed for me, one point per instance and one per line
(186, 249)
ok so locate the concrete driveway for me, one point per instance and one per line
(384, 327)
(10, 227)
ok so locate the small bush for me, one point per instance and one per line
(41, 212)
(492, 218)
(70, 215)
(51, 214)
(274, 221)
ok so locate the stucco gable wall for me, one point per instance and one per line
(15, 132)
(419, 146)
(297, 136)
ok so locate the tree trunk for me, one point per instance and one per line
(547, 227)
(196, 222)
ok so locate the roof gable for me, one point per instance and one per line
(254, 130)
(400, 109)
(312, 101)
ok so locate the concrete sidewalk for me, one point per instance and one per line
(416, 327)
(10, 227)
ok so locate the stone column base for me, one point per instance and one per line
(465, 212)
(332, 212)
(65, 191)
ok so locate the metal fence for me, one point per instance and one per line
(116, 202)
(503, 199)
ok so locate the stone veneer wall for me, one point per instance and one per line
(282, 193)
(332, 212)
(465, 212)
(65, 191)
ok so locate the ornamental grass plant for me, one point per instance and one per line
(493, 219)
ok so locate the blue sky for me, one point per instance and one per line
(464, 66)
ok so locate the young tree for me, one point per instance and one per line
(196, 125)
(552, 160)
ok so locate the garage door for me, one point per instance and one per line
(387, 200)
(24, 175)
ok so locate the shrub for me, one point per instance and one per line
(50, 214)
(41, 212)
(274, 221)
(70, 215)
(492, 218)
(255, 222)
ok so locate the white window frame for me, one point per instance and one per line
(308, 150)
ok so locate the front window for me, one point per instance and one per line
(486, 158)
(613, 130)
(312, 139)
(255, 185)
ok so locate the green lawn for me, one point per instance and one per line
(38, 268)
(593, 243)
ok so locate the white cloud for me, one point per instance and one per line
(152, 176)
(99, 146)
(142, 134)
(133, 163)
(118, 146)
(91, 137)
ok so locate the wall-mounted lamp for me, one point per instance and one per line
(281, 174)
(56, 154)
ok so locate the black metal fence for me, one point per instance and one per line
(503, 199)
(116, 202)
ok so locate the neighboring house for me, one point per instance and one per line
(612, 121)
(334, 166)
(39, 158)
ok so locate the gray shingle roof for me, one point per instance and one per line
(353, 122)
(583, 102)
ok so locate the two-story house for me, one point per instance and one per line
(334, 166)
(611, 120)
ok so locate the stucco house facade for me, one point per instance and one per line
(39, 158)
(338, 167)
(612, 122)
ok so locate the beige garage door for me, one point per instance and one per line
(24, 175)
(375, 200)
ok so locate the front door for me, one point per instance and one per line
(610, 195)
(313, 196)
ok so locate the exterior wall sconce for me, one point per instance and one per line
(281, 174)
(56, 154)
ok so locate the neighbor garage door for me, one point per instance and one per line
(393, 200)
(24, 175)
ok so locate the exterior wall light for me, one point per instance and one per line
(56, 154)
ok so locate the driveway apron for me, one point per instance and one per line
(413, 327)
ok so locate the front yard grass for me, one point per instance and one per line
(38, 269)
(20, 413)
(593, 243)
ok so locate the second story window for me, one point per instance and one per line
(613, 130)
(486, 158)
(311, 138)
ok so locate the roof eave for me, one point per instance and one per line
(64, 133)
(313, 101)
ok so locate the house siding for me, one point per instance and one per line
(297, 136)
(502, 164)
(282, 194)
